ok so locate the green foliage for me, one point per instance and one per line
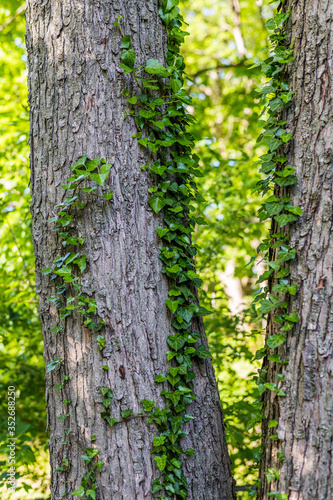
(222, 88)
(175, 169)
(276, 97)
(21, 346)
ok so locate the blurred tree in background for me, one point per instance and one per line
(21, 347)
(225, 36)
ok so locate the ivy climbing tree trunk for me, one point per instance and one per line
(304, 414)
(77, 109)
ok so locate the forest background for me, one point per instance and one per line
(225, 37)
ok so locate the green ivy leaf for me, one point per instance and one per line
(53, 365)
(176, 84)
(162, 231)
(111, 421)
(294, 210)
(174, 269)
(287, 327)
(126, 69)
(148, 405)
(101, 341)
(128, 58)
(80, 492)
(99, 466)
(108, 196)
(273, 143)
(160, 378)
(176, 342)
(267, 305)
(203, 353)
(274, 208)
(48, 270)
(172, 305)
(292, 289)
(161, 462)
(154, 67)
(100, 178)
(156, 203)
(126, 42)
(285, 219)
(293, 317)
(169, 4)
(275, 358)
(286, 181)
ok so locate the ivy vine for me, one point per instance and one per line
(88, 176)
(159, 109)
(274, 297)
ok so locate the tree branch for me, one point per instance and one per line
(219, 67)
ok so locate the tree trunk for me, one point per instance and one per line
(305, 429)
(75, 84)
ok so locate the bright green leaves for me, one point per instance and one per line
(108, 196)
(132, 100)
(53, 365)
(126, 42)
(128, 58)
(48, 270)
(102, 176)
(176, 84)
(157, 203)
(284, 219)
(172, 305)
(101, 342)
(91, 453)
(162, 128)
(85, 172)
(107, 396)
(274, 207)
(203, 353)
(169, 4)
(277, 21)
(169, 11)
(148, 405)
(275, 341)
(126, 413)
(275, 95)
(274, 143)
(176, 342)
(81, 491)
(161, 462)
(88, 487)
(154, 67)
(293, 317)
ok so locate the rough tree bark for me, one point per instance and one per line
(305, 414)
(77, 108)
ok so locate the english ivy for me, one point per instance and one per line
(159, 109)
(279, 176)
(88, 175)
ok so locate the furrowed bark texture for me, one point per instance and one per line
(305, 414)
(76, 108)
